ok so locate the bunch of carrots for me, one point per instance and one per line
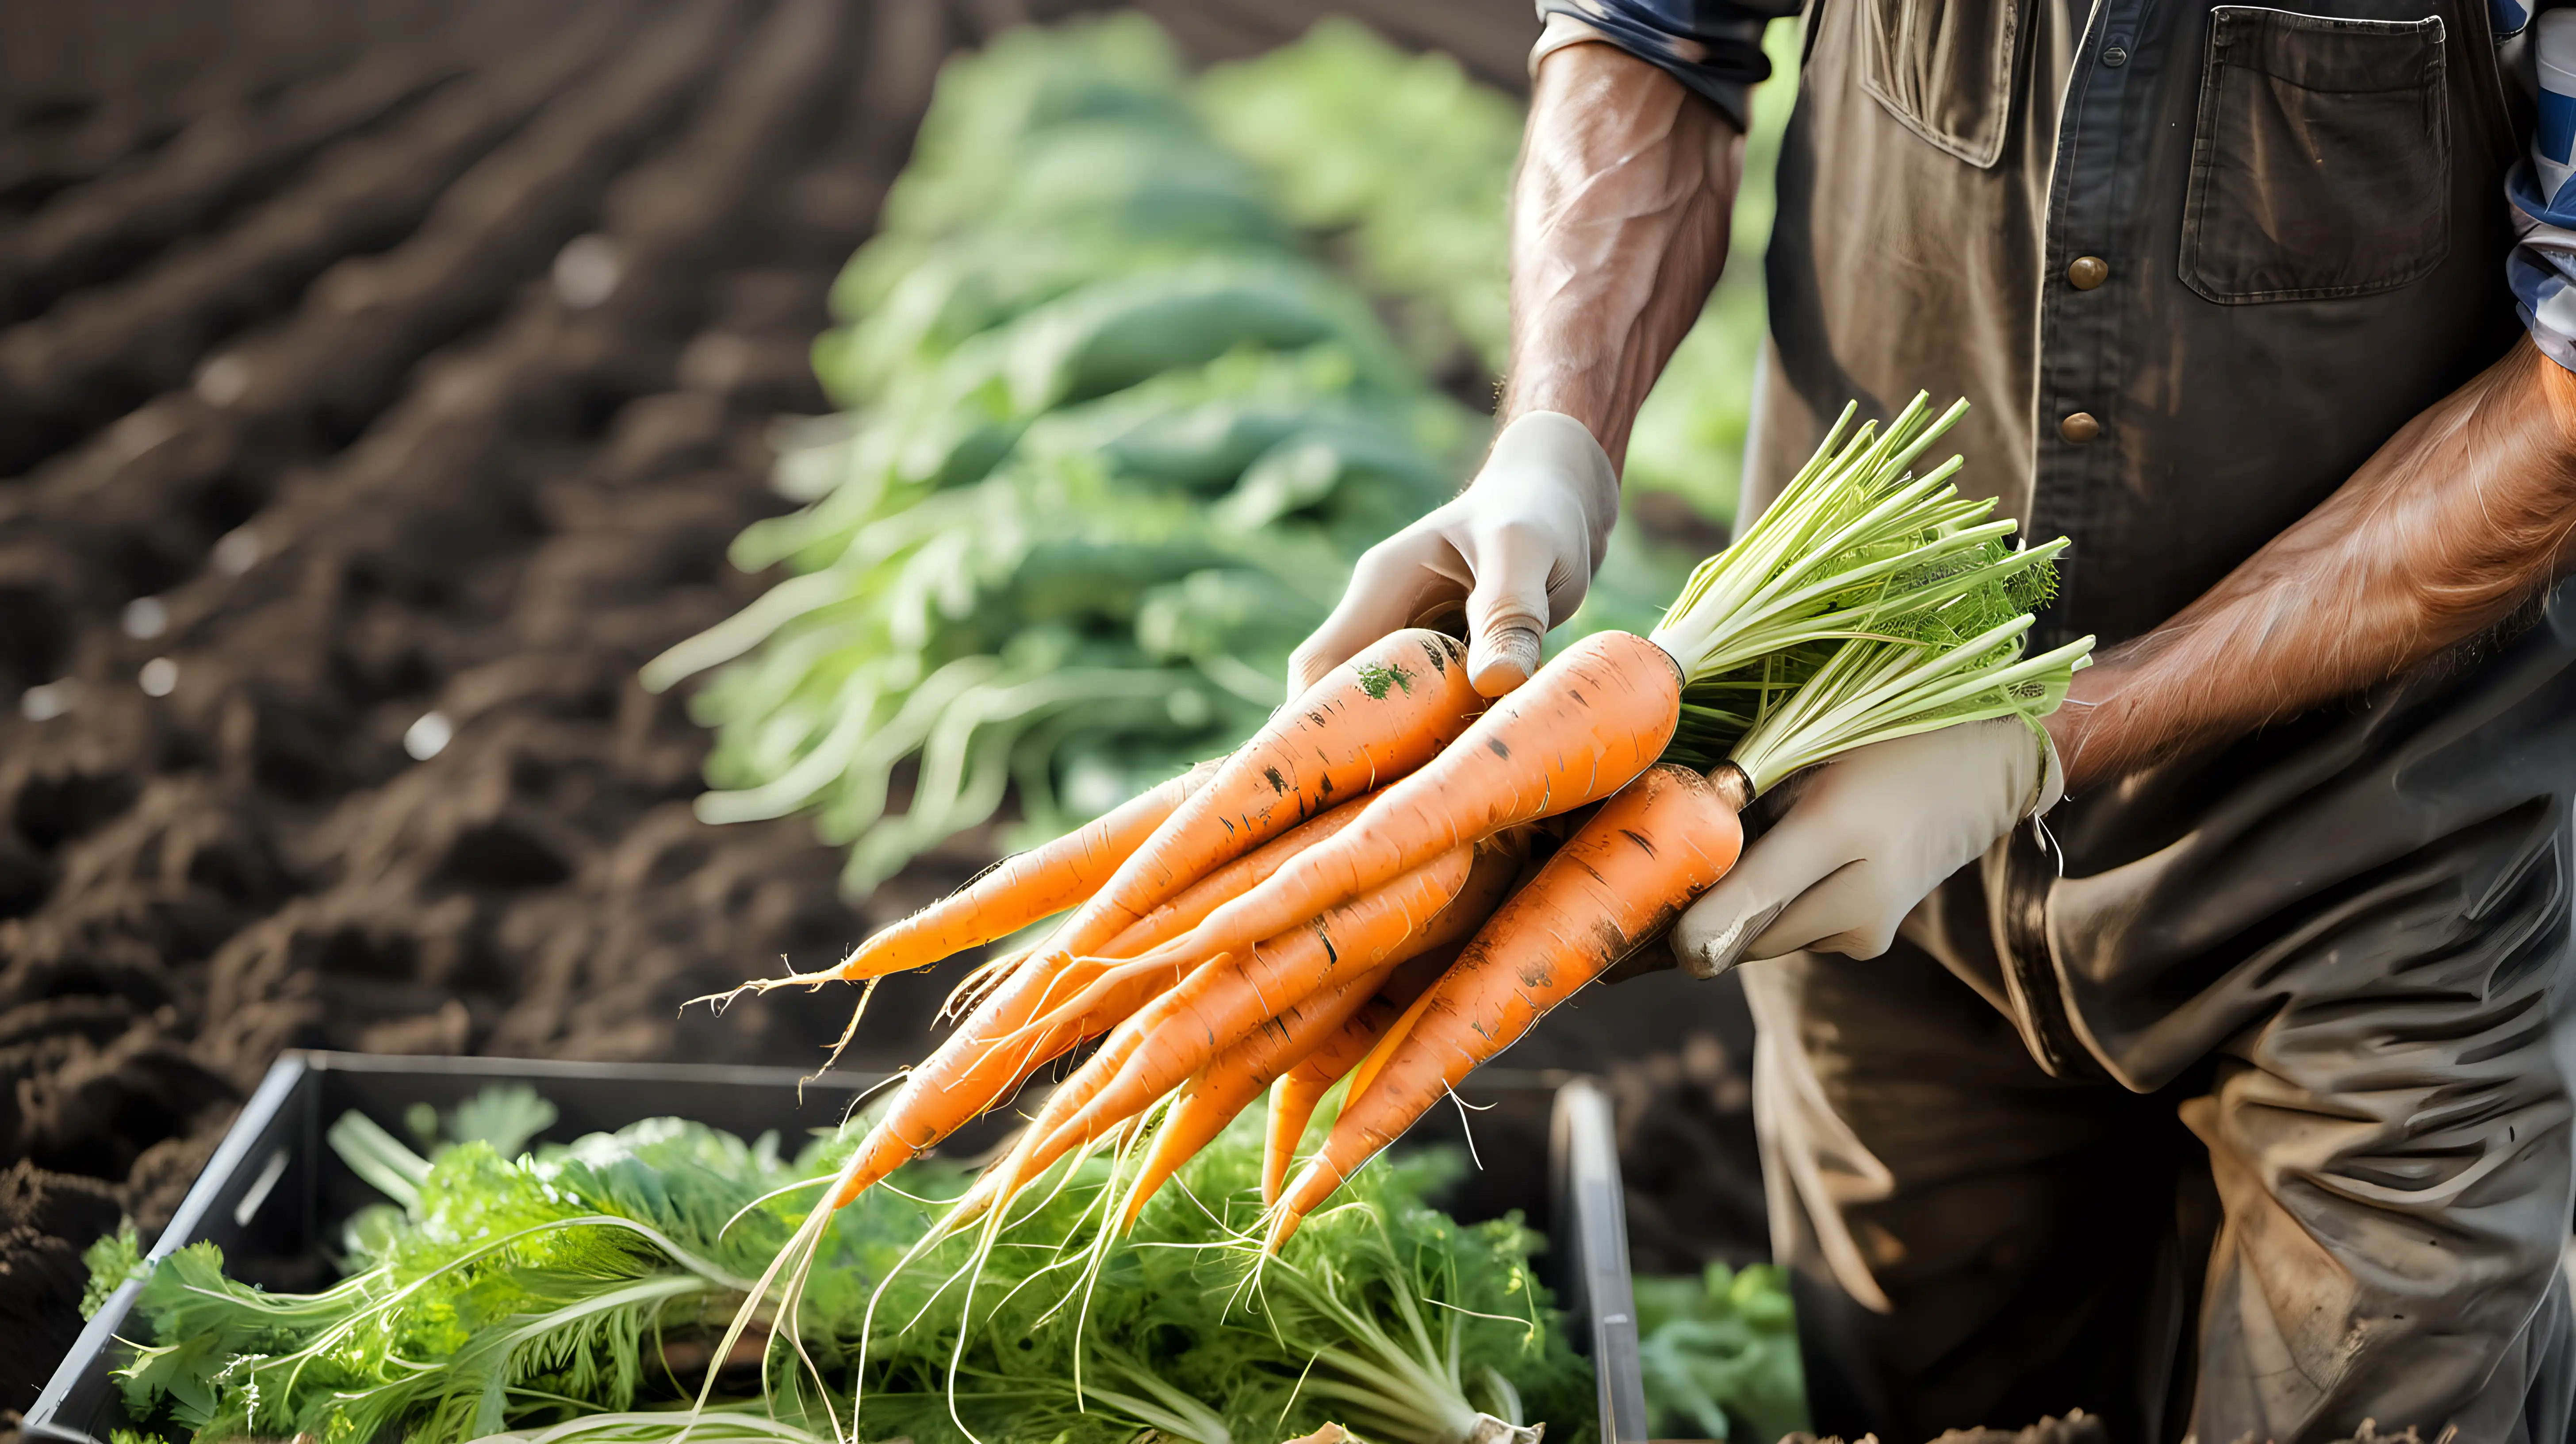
(1396, 878)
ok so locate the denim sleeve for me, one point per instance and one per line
(2542, 269)
(1712, 46)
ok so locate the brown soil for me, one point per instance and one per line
(300, 402)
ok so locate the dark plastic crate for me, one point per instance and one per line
(273, 1193)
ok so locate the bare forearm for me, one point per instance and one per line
(1620, 214)
(2442, 534)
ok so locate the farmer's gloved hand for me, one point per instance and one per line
(1518, 548)
(1865, 838)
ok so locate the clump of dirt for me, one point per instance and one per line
(1687, 1153)
(2077, 1427)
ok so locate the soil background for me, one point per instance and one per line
(388, 373)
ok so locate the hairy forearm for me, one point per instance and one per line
(2443, 533)
(1620, 214)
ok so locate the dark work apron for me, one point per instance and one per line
(2192, 264)
(2300, 230)
(2291, 231)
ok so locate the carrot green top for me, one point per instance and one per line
(1867, 603)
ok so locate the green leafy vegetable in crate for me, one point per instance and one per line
(1720, 1354)
(575, 1293)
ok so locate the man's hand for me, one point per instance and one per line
(1620, 212)
(1516, 550)
(1865, 838)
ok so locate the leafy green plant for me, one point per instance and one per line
(576, 1291)
(1116, 432)
(1400, 160)
(113, 1260)
(1720, 1355)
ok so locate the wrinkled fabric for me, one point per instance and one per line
(2228, 395)
(2342, 966)
(1972, 1239)
(2200, 898)
(1969, 1239)
(1712, 46)
(2244, 1108)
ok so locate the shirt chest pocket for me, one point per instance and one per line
(2321, 158)
(1944, 69)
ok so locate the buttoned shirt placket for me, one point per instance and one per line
(2091, 267)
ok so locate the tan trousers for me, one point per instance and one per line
(2314, 1235)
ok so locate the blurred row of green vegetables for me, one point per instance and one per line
(1137, 366)
(1115, 430)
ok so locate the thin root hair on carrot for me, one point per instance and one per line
(718, 1002)
(858, 1010)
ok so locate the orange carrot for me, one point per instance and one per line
(1004, 898)
(1173, 918)
(994, 1051)
(1106, 989)
(1022, 888)
(1204, 1106)
(1617, 883)
(1087, 987)
(1165, 1041)
(1232, 1079)
(1588, 723)
(1433, 906)
(1283, 1047)
(1300, 1090)
(1218, 1006)
(1374, 718)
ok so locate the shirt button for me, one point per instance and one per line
(2115, 56)
(2079, 427)
(2086, 272)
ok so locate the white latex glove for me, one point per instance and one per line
(1517, 549)
(1866, 837)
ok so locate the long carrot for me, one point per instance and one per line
(1301, 1089)
(1018, 890)
(1232, 1079)
(1375, 717)
(1006, 897)
(1437, 904)
(1590, 721)
(1106, 988)
(1088, 987)
(1217, 1006)
(1150, 1052)
(1173, 918)
(1618, 882)
(1372, 719)
(994, 1051)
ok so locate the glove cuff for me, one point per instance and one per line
(2051, 788)
(1553, 444)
